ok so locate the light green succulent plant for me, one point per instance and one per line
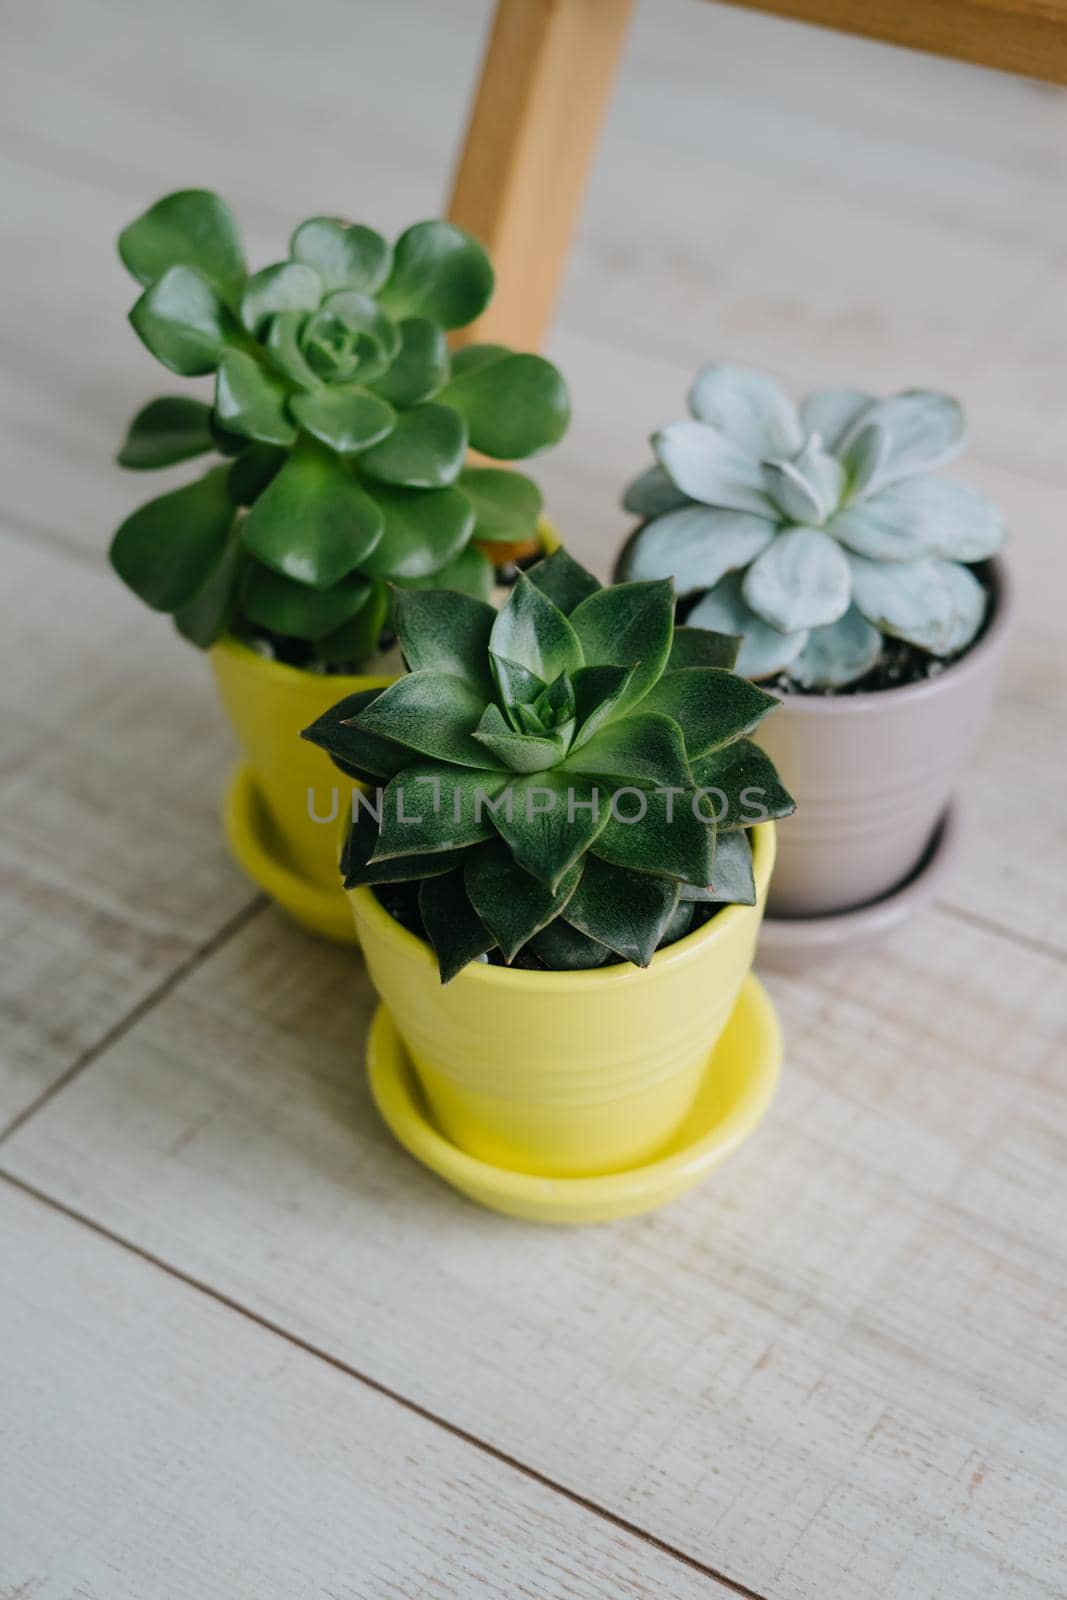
(346, 419)
(813, 531)
(570, 774)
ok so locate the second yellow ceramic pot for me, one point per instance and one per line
(565, 1073)
(301, 791)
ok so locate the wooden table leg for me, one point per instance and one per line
(545, 85)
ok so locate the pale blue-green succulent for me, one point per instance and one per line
(814, 531)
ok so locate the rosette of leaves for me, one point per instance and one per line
(339, 422)
(570, 775)
(813, 531)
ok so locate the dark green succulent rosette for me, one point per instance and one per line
(569, 776)
(340, 420)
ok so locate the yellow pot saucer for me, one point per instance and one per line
(740, 1081)
(250, 837)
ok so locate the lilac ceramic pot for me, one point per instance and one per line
(872, 775)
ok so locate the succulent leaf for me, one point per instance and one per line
(433, 713)
(345, 420)
(253, 470)
(285, 353)
(969, 605)
(732, 880)
(627, 912)
(696, 546)
(908, 600)
(209, 613)
(552, 819)
(712, 705)
(442, 632)
(287, 286)
(645, 748)
(192, 228)
(182, 321)
(468, 573)
(564, 582)
(166, 431)
(433, 806)
(837, 654)
(438, 272)
(652, 493)
(564, 949)
(512, 904)
(749, 408)
(514, 405)
(920, 517)
(710, 468)
(313, 523)
(532, 632)
(423, 530)
(453, 927)
(747, 788)
(167, 550)
(506, 505)
(425, 450)
(833, 414)
(699, 647)
(600, 693)
(359, 636)
(864, 459)
(249, 400)
(368, 755)
(665, 833)
(420, 366)
(808, 488)
(358, 868)
(764, 650)
(297, 610)
(800, 581)
(924, 429)
(343, 255)
(630, 625)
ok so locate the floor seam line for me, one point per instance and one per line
(129, 1019)
(1025, 941)
(298, 1342)
(37, 535)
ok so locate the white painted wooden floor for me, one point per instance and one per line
(248, 1350)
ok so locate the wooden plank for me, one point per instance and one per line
(114, 755)
(548, 75)
(1028, 36)
(160, 1444)
(833, 1371)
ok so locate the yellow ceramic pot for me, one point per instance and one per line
(565, 1073)
(283, 808)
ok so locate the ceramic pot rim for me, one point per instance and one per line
(347, 682)
(689, 948)
(872, 700)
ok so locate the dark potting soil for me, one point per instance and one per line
(898, 665)
(401, 900)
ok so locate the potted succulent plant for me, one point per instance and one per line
(865, 589)
(559, 886)
(337, 437)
